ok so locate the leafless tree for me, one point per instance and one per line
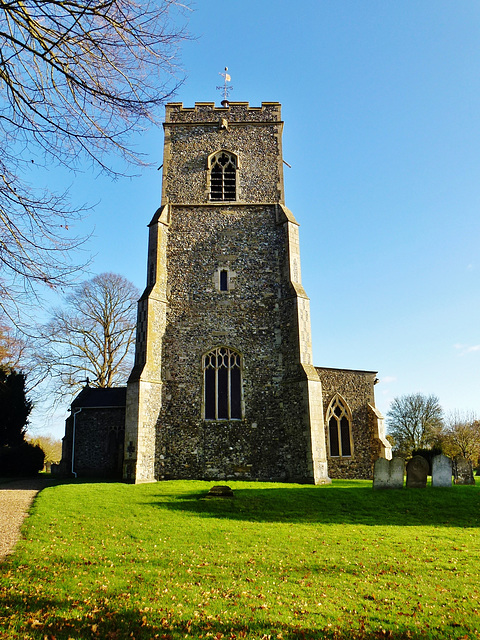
(461, 435)
(413, 420)
(51, 447)
(19, 354)
(77, 78)
(11, 349)
(92, 337)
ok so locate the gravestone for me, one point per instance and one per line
(417, 471)
(463, 471)
(220, 491)
(441, 471)
(388, 474)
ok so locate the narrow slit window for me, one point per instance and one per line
(223, 280)
(222, 385)
(339, 429)
(223, 176)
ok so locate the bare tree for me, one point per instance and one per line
(92, 337)
(461, 436)
(19, 354)
(51, 447)
(11, 349)
(77, 79)
(413, 420)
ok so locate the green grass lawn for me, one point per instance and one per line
(277, 561)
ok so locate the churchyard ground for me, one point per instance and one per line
(115, 561)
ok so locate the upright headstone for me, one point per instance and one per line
(441, 471)
(463, 471)
(388, 474)
(417, 471)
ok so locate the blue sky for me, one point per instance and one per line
(381, 103)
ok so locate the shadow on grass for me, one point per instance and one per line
(33, 617)
(45, 480)
(458, 506)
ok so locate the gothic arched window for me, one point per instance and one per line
(339, 429)
(223, 176)
(222, 384)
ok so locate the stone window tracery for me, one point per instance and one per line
(223, 176)
(339, 429)
(222, 384)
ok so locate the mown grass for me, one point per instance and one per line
(278, 561)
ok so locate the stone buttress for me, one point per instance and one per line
(223, 384)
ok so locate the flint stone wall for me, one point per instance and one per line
(252, 133)
(256, 318)
(253, 239)
(99, 442)
(356, 388)
(264, 315)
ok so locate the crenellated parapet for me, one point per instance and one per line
(250, 136)
(234, 113)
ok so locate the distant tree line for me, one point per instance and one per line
(417, 425)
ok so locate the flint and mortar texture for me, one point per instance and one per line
(356, 388)
(264, 314)
(225, 274)
(94, 434)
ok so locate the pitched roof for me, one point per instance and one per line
(91, 397)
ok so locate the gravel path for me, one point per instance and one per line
(16, 498)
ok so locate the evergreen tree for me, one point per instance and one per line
(15, 408)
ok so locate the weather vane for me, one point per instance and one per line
(226, 89)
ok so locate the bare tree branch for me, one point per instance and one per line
(77, 78)
(413, 420)
(12, 349)
(92, 337)
(461, 436)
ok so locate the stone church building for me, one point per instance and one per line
(223, 385)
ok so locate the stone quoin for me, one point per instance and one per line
(223, 385)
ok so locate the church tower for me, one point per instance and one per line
(223, 385)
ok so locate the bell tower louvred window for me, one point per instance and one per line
(223, 176)
(222, 384)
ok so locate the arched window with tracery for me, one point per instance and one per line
(222, 373)
(339, 423)
(223, 176)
